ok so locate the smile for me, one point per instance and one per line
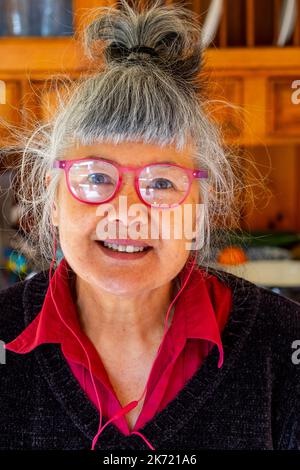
(127, 248)
(123, 251)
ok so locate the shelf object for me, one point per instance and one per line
(252, 23)
(36, 18)
(288, 19)
(211, 23)
(271, 273)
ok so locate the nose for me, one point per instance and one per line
(127, 214)
(127, 189)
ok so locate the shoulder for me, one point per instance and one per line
(266, 323)
(11, 312)
(279, 315)
(13, 301)
(280, 312)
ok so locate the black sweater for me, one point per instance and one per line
(252, 402)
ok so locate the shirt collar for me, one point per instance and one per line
(193, 305)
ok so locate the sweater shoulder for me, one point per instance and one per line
(271, 323)
(282, 312)
(277, 312)
(12, 320)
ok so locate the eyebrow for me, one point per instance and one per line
(112, 160)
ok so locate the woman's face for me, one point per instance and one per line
(79, 224)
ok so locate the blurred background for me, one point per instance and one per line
(252, 56)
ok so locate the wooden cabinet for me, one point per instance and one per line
(284, 105)
(277, 206)
(40, 98)
(256, 86)
(10, 107)
(250, 96)
(226, 105)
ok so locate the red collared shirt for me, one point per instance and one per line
(200, 314)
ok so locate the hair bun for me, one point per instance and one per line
(167, 35)
(120, 52)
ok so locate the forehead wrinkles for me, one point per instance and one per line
(132, 153)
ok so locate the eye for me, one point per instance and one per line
(99, 178)
(161, 183)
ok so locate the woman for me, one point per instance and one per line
(134, 341)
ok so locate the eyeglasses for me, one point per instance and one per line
(97, 180)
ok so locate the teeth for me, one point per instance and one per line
(127, 248)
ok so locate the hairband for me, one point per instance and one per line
(147, 50)
(126, 51)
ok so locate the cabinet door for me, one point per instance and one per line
(9, 107)
(224, 106)
(284, 103)
(41, 98)
(275, 206)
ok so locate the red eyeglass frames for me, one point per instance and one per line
(96, 180)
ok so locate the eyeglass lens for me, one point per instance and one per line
(96, 181)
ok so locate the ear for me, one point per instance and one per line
(54, 214)
(54, 208)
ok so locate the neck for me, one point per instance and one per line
(133, 318)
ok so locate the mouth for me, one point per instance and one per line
(122, 251)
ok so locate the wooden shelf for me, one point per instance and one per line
(20, 55)
(256, 81)
(251, 84)
(254, 58)
(23, 56)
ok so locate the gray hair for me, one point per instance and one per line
(135, 96)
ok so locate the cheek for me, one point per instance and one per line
(75, 218)
(192, 212)
(174, 249)
(183, 223)
(172, 258)
(182, 231)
